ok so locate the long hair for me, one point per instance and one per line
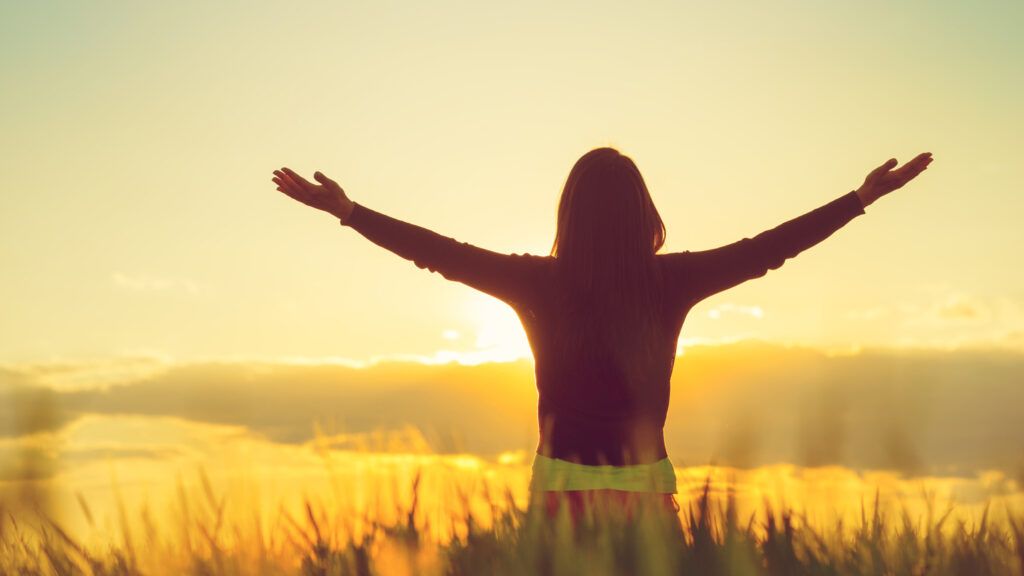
(607, 236)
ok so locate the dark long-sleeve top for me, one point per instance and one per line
(583, 413)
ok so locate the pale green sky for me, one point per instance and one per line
(137, 215)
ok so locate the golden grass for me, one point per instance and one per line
(199, 537)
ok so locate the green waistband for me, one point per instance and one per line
(553, 474)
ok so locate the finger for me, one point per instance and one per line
(290, 188)
(321, 178)
(283, 183)
(298, 179)
(883, 169)
(281, 186)
(289, 192)
(282, 178)
(296, 188)
(920, 161)
(908, 173)
(914, 167)
(293, 182)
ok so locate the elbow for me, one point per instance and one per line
(445, 272)
(774, 264)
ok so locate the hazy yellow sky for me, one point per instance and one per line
(137, 141)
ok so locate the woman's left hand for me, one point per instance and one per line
(884, 179)
(327, 196)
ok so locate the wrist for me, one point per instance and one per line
(344, 212)
(866, 198)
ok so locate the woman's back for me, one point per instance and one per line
(588, 412)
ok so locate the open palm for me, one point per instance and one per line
(327, 196)
(884, 179)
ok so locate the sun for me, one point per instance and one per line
(498, 335)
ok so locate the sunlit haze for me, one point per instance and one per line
(138, 216)
(165, 310)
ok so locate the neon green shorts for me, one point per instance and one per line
(553, 474)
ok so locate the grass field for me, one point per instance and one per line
(211, 529)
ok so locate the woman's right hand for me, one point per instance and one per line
(327, 196)
(884, 179)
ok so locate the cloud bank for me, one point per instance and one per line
(746, 404)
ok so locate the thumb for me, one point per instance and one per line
(323, 179)
(884, 167)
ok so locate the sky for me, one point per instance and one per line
(163, 307)
(138, 219)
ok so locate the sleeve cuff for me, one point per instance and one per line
(856, 206)
(353, 216)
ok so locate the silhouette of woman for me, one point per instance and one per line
(602, 313)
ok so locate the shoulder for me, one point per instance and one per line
(674, 260)
(676, 268)
(534, 262)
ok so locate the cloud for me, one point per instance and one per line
(27, 408)
(938, 315)
(925, 411)
(484, 408)
(27, 463)
(406, 440)
(941, 306)
(745, 404)
(143, 283)
(960, 309)
(65, 375)
(27, 460)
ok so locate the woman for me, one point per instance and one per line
(602, 313)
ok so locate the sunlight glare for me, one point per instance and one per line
(499, 333)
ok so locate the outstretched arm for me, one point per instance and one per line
(508, 277)
(701, 274)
